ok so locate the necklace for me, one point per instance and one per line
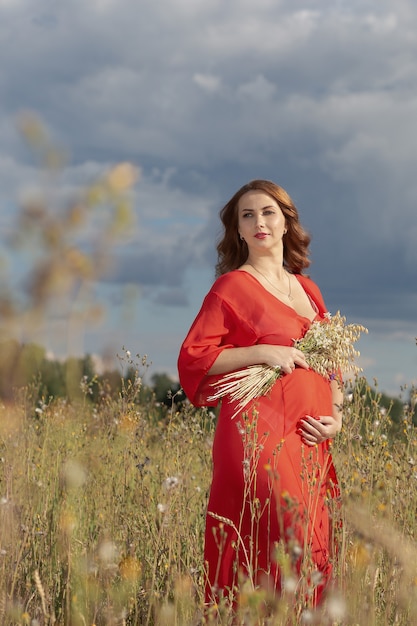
(288, 295)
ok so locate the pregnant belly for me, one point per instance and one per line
(293, 396)
(305, 392)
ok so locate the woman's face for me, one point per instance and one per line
(261, 222)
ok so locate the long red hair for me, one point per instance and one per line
(233, 252)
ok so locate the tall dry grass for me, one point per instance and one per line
(102, 517)
(101, 510)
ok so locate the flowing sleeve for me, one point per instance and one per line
(216, 327)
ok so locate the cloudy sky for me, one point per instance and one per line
(203, 95)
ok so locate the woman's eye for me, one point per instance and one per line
(248, 214)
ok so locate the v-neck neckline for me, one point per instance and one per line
(304, 317)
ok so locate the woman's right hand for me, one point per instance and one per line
(286, 357)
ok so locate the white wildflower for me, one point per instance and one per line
(108, 552)
(74, 474)
(297, 550)
(170, 483)
(307, 617)
(316, 577)
(289, 584)
(246, 469)
(336, 607)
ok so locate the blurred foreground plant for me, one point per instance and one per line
(63, 241)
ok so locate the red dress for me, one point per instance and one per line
(270, 494)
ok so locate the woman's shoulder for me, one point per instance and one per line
(224, 281)
(227, 283)
(232, 286)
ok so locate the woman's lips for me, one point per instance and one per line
(261, 235)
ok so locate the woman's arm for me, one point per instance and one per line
(231, 359)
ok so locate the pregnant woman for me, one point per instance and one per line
(274, 486)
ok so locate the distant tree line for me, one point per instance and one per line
(23, 365)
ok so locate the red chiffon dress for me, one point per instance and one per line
(269, 514)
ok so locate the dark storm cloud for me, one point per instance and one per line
(205, 96)
(149, 267)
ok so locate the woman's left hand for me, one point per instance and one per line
(314, 430)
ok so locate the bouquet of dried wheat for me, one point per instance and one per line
(328, 348)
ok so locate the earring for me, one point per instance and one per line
(242, 238)
(285, 231)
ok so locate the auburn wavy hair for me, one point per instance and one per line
(232, 251)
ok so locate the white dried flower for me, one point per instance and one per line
(108, 552)
(336, 607)
(246, 469)
(297, 550)
(289, 584)
(74, 474)
(170, 483)
(316, 577)
(307, 617)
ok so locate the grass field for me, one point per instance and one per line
(102, 516)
